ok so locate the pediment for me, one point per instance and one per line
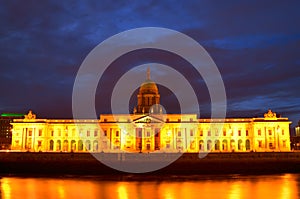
(148, 119)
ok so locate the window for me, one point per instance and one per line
(30, 133)
(88, 133)
(282, 132)
(59, 132)
(201, 132)
(148, 133)
(40, 132)
(224, 132)
(105, 120)
(271, 145)
(208, 133)
(179, 133)
(39, 143)
(105, 133)
(216, 132)
(240, 145)
(191, 132)
(217, 145)
(247, 144)
(260, 144)
(247, 133)
(239, 132)
(270, 132)
(117, 133)
(95, 133)
(52, 133)
(284, 144)
(259, 132)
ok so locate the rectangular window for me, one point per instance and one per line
(40, 132)
(271, 145)
(247, 133)
(148, 133)
(270, 132)
(30, 133)
(216, 132)
(284, 144)
(39, 143)
(260, 144)
(179, 133)
(95, 133)
(201, 132)
(224, 132)
(105, 133)
(239, 132)
(88, 133)
(208, 133)
(259, 132)
(191, 132)
(117, 133)
(52, 133)
(282, 132)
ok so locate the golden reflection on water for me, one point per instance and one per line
(230, 187)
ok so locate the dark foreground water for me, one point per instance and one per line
(169, 187)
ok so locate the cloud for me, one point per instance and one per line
(254, 44)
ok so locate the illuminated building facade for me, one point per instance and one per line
(149, 130)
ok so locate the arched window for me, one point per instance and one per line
(95, 144)
(240, 145)
(51, 145)
(217, 145)
(80, 145)
(73, 145)
(232, 145)
(201, 145)
(224, 145)
(66, 145)
(58, 145)
(247, 145)
(209, 145)
(88, 145)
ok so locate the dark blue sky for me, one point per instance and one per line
(255, 44)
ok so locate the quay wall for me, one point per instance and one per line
(45, 163)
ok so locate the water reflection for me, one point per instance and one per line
(231, 187)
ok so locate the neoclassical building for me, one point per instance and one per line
(147, 129)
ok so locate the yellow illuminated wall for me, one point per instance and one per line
(149, 133)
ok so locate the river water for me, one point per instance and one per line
(282, 186)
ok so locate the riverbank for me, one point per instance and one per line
(25, 163)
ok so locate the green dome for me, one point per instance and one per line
(148, 87)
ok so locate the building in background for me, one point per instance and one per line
(297, 129)
(149, 130)
(295, 139)
(6, 128)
